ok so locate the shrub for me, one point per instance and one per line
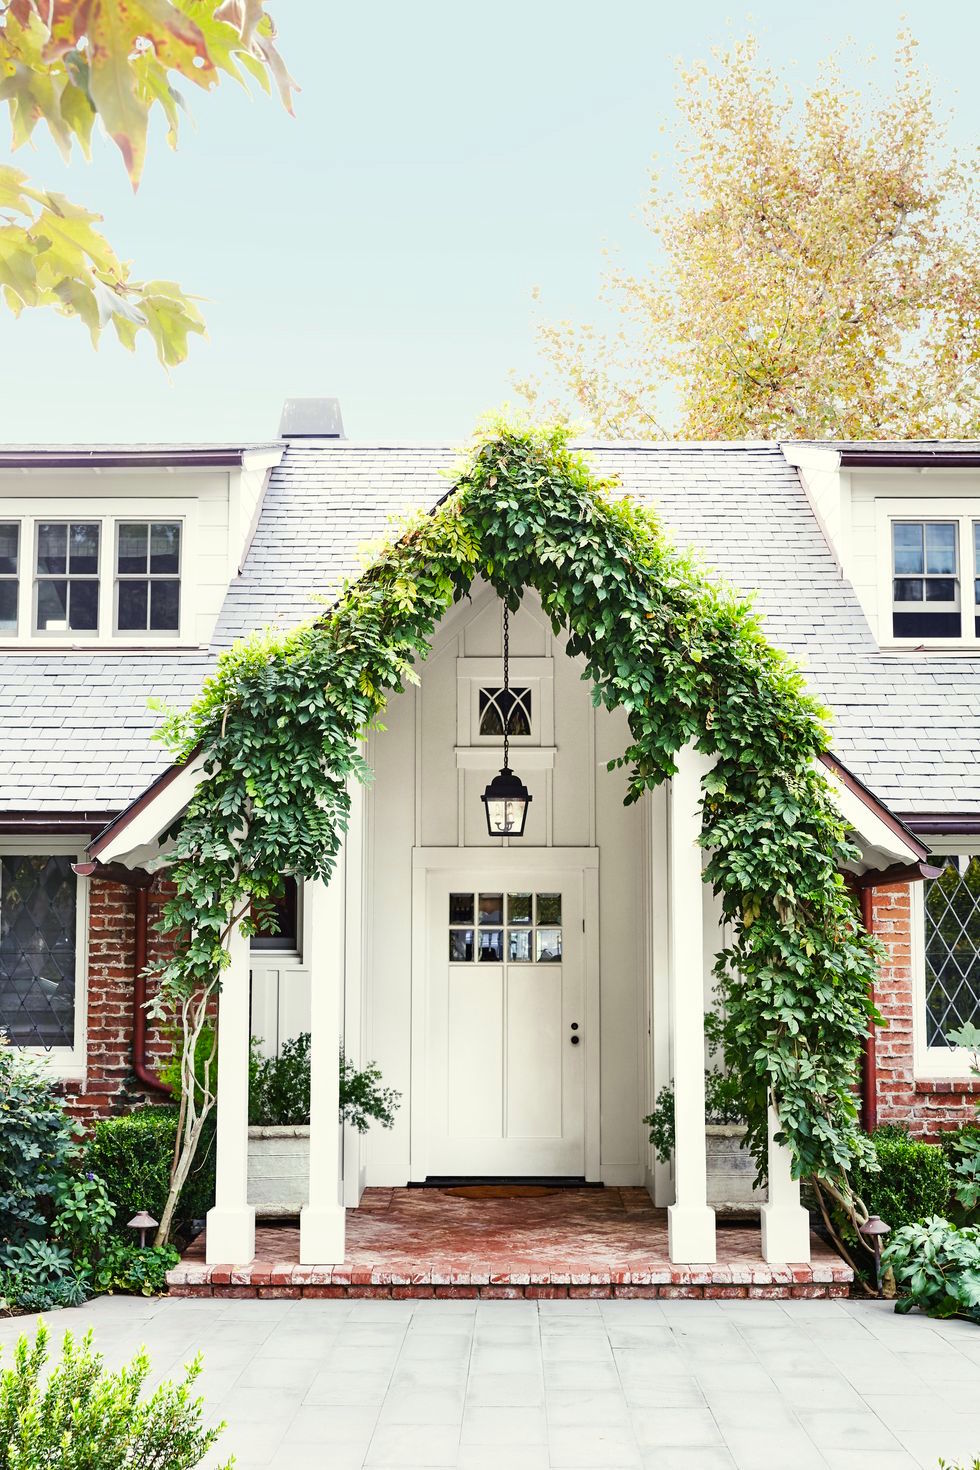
(912, 1180)
(133, 1155)
(279, 1089)
(938, 1267)
(83, 1416)
(39, 1146)
(962, 1150)
(134, 1270)
(722, 1097)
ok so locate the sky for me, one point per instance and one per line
(382, 246)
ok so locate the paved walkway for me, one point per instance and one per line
(563, 1385)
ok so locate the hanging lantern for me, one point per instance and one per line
(506, 799)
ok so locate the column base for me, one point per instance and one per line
(229, 1238)
(321, 1236)
(691, 1235)
(785, 1234)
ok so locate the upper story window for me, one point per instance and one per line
(67, 577)
(147, 576)
(9, 575)
(934, 578)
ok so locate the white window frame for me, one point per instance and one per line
(77, 635)
(964, 512)
(18, 576)
(108, 512)
(67, 1063)
(118, 578)
(931, 1062)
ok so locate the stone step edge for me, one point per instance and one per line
(288, 1273)
(799, 1290)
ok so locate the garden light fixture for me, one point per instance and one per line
(874, 1229)
(506, 799)
(143, 1222)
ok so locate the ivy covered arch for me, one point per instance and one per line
(279, 724)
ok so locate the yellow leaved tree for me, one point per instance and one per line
(66, 63)
(819, 273)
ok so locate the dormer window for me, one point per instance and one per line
(926, 584)
(9, 575)
(928, 563)
(66, 595)
(147, 576)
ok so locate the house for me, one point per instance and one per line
(525, 995)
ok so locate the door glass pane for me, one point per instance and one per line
(83, 606)
(491, 908)
(52, 548)
(164, 606)
(83, 550)
(133, 541)
(519, 946)
(492, 945)
(132, 606)
(548, 945)
(165, 547)
(52, 606)
(461, 908)
(8, 607)
(940, 547)
(549, 908)
(518, 908)
(9, 546)
(460, 944)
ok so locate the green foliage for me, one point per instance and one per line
(722, 1096)
(911, 1181)
(279, 721)
(133, 1154)
(937, 1267)
(134, 1270)
(205, 1057)
(279, 1089)
(82, 1417)
(962, 1147)
(39, 1147)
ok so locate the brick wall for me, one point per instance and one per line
(928, 1107)
(110, 1085)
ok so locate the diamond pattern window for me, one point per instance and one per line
(38, 897)
(9, 574)
(508, 709)
(925, 579)
(952, 938)
(67, 577)
(147, 576)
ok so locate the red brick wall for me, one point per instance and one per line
(110, 1085)
(930, 1106)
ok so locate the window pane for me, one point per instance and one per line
(907, 542)
(52, 606)
(491, 908)
(83, 606)
(460, 944)
(519, 945)
(164, 606)
(549, 908)
(52, 548)
(500, 707)
(492, 945)
(132, 548)
(83, 550)
(9, 548)
(37, 950)
(461, 908)
(165, 547)
(8, 607)
(940, 589)
(518, 908)
(940, 547)
(952, 935)
(548, 945)
(132, 606)
(282, 929)
(908, 589)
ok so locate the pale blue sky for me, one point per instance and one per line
(382, 245)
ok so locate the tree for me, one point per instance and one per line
(65, 63)
(820, 272)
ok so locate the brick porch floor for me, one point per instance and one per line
(569, 1242)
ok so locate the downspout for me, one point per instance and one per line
(869, 1059)
(140, 928)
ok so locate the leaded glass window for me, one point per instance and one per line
(38, 897)
(952, 936)
(505, 708)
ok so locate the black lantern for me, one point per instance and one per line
(506, 798)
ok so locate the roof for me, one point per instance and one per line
(76, 730)
(111, 456)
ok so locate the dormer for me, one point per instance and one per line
(903, 521)
(117, 547)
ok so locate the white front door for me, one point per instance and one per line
(506, 1033)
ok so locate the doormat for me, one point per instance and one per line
(499, 1186)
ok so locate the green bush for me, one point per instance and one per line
(722, 1097)
(133, 1154)
(937, 1268)
(279, 1089)
(39, 1147)
(912, 1181)
(81, 1417)
(134, 1270)
(962, 1150)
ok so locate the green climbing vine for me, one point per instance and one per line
(278, 726)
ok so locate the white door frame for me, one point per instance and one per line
(426, 860)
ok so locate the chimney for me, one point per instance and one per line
(311, 418)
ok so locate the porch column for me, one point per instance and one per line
(230, 1235)
(785, 1223)
(321, 1221)
(691, 1222)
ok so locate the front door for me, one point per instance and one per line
(506, 1042)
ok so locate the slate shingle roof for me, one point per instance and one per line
(75, 729)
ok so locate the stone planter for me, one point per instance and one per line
(731, 1169)
(278, 1170)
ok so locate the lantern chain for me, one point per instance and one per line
(506, 702)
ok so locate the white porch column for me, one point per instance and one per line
(691, 1222)
(785, 1223)
(230, 1235)
(321, 1221)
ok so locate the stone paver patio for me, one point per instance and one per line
(562, 1385)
